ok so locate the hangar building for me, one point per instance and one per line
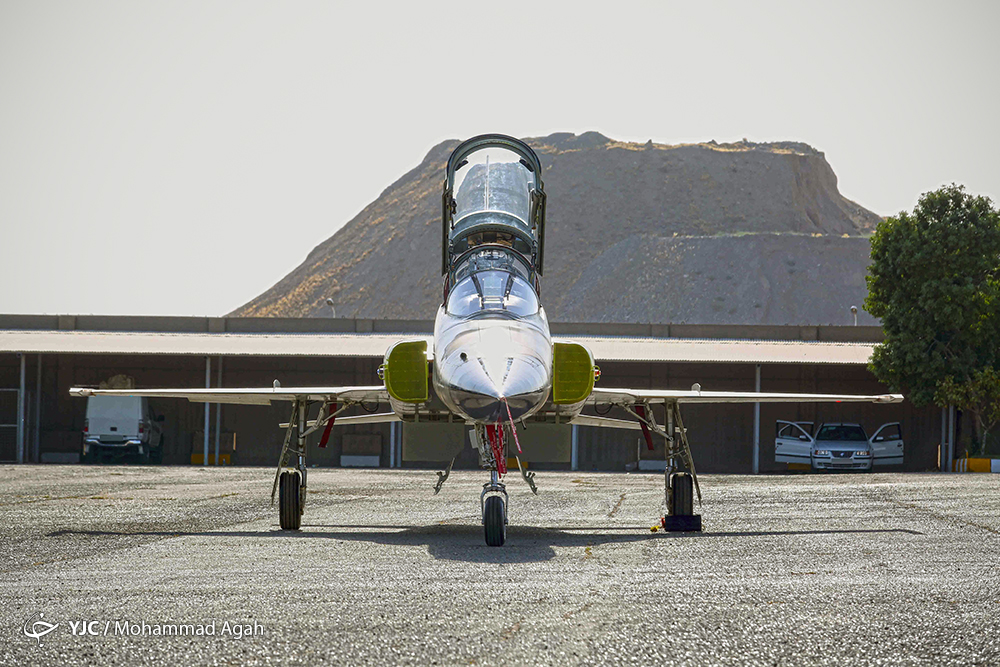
(41, 357)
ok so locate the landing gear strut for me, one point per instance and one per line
(291, 483)
(680, 487)
(494, 499)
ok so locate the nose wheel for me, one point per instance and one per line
(493, 503)
(495, 521)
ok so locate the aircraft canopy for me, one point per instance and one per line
(493, 197)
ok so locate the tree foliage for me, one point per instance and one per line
(935, 283)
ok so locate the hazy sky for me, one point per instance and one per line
(181, 157)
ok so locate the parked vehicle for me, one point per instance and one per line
(120, 426)
(838, 446)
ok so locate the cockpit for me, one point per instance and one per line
(492, 292)
(493, 215)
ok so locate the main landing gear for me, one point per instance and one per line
(680, 516)
(290, 477)
(680, 488)
(291, 483)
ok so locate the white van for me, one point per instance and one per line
(121, 426)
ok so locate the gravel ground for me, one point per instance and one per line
(843, 569)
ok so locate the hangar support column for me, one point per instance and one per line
(756, 429)
(36, 451)
(218, 412)
(208, 406)
(20, 412)
(575, 449)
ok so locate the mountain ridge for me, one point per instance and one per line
(603, 193)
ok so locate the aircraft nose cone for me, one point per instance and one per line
(480, 363)
(526, 386)
(481, 382)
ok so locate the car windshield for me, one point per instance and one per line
(846, 432)
(492, 291)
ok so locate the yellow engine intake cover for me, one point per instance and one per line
(406, 371)
(572, 373)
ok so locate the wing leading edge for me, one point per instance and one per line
(633, 396)
(250, 395)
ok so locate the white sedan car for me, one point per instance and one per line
(839, 446)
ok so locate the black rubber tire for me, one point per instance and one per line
(682, 493)
(289, 500)
(495, 521)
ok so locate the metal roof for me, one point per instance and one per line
(726, 351)
(605, 348)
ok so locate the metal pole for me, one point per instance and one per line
(36, 454)
(575, 456)
(943, 456)
(756, 429)
(208, 406)
(392, 444)
(20, 414)
(218, 411)
(951, 437)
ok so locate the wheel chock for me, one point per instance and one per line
(681, 523)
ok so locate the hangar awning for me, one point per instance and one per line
(605, 348)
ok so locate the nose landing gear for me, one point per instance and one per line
(493, 502)
(494, 499)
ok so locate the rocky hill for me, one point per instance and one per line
(699, 233)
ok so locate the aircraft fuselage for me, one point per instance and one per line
(482, 362)
(492, 346)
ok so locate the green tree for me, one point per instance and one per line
(935, 283)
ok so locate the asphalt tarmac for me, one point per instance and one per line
(891, 569)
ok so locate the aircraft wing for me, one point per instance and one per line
(632, 396)
(250, 395)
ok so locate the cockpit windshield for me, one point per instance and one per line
(491, 258)
(492, 291)
(493, 185)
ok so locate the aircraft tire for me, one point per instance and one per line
(495, 521)
(289, 500)
(682, 488)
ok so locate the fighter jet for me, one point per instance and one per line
(493, 362)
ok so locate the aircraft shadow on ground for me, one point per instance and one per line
(525, 544)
